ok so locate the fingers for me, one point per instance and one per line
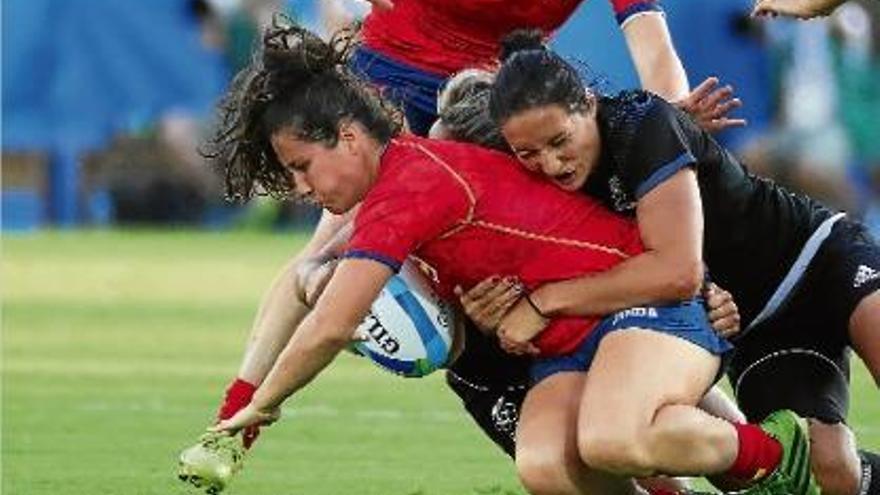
(800, 9)
(709, 106)
(382, 4)
(486, 286)
(723, 108)
(700, 92)
(716, 125)
(249, 416)
(226, 426)
(765, 8)
(715, 98)
(487, 302)
(360, 336)
(723, 312)
(516, 348)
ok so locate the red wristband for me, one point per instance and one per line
(238, 395)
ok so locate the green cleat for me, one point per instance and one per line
(212, 462)
(793, 475)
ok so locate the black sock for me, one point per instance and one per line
(870, 484)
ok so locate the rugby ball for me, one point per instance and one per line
(409, 330)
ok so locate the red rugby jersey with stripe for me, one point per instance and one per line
(469, 213)
(446, 36)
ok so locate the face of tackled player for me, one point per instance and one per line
(561, 144)
(335, 176)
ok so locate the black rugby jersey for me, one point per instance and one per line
(754, 229)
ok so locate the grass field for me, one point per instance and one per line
(116, 348)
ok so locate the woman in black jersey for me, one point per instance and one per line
(805, 278)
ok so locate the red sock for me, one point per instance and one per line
(758, 455)
(661, 491)
(238, 395)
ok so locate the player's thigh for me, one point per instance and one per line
(635, 372)
(547, 457)
(546, 434)
(864, 333)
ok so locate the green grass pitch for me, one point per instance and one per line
(116, 347)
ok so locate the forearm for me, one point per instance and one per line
(664, 75)
(325, 332)
(280, 313)
(282, 310)
(306, 354)
(659, 68)
(649, 278)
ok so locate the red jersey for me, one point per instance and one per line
(446, 36)
(469, 213)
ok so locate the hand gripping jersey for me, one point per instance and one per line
(468, 213)
(446, 36)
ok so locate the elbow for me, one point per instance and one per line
(686, 280)
(336, 341)
(329, 341)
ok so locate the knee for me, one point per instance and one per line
(614, 451)
(834, 458)
(542, 471)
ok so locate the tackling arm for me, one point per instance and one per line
(670, 221)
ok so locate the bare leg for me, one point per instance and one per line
(834, 458)
(547, 460)
(864, 333)
(638, 409)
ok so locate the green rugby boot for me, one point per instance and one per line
(212, 462)
(793, 475)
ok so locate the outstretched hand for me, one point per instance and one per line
(709, 106)
(801, 9)
(249, 416)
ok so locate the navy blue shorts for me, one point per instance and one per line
(686, 320)
(799, 358)
(410, 87)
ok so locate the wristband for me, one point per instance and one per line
(535, 306)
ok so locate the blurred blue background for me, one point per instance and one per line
(105, 101)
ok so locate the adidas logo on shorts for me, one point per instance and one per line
(864, 275)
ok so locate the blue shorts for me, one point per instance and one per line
(686, 320)
(413, 89)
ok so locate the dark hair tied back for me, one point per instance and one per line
(522, 40)
(531, 76)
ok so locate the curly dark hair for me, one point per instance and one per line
(296, 82)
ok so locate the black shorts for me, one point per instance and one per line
(492, 386)
(799, 358)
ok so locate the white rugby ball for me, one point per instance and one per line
(409, 330)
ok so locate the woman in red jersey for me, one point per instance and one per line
(298, 120)
(409, 49)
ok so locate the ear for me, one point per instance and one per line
(348, 133)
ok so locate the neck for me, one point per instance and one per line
(375, 151)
